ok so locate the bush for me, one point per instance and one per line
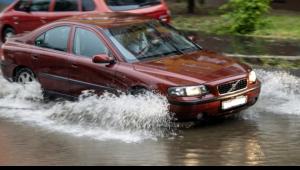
(245, 16)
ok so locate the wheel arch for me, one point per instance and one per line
(135, 88)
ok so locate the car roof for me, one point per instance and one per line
(108, 20)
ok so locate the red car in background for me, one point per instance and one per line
(27, 15)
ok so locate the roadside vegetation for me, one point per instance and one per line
(266, 22)
(271, 63)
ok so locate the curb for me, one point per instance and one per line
(264, 56)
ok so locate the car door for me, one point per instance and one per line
(51, 59)
(31, 14)
(85, 74)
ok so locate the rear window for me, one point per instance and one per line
(34, 5)
(119, 5)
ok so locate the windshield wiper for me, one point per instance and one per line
(174, 46)
(189, 49)
(159, 55)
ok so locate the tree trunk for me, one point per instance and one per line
(191, 6)
(202, 2)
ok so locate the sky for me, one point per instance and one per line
(6, 1)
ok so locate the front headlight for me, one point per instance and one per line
(188, 91)
(252, 77)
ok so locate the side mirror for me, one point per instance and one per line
(103, 59)
(192, 38)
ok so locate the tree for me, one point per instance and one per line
(202, 2)
(191, 6)
(245, 16)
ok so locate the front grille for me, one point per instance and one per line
(232, 86)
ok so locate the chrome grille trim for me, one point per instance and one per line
(232, 87)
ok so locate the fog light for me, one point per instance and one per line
(199, 116)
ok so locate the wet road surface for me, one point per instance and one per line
(266, 140)
(33, 132)
(82, 133)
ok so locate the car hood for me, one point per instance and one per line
(195, 68)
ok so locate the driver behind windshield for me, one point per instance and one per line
(149, 40)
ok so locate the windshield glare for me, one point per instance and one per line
(149, 40)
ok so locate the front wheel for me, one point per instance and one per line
(139, 91)
(24, 76)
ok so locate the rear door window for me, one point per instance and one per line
(56, 39)
(40, 5)
(119, 5)
(88, 5)
(66, 5)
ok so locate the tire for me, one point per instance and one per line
(7, 32)
(24, 76)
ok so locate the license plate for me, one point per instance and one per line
(236, 102)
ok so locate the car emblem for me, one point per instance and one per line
(234, 86)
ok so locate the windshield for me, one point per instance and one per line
(149, 40)
(118, 5)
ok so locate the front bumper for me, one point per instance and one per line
(212, 107)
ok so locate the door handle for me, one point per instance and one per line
(35, 57)
(74, 66)
(43, 21)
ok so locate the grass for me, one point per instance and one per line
(271, 63)
(282, 24)
(207, 24)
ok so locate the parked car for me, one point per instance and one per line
(27, 15)
(130, 53)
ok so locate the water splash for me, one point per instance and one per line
(16, 96)
(280, 93)
(125, 117)
(108, 117)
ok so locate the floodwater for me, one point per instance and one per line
(126, 130)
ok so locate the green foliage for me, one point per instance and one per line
(245, 16)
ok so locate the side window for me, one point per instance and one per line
(87, 43)
(34, 5)
(66, 5)
(56, 39)
(40, 5)
(22, 5)
(88, 5)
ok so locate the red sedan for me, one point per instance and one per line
(27, 15)
(130, 53)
